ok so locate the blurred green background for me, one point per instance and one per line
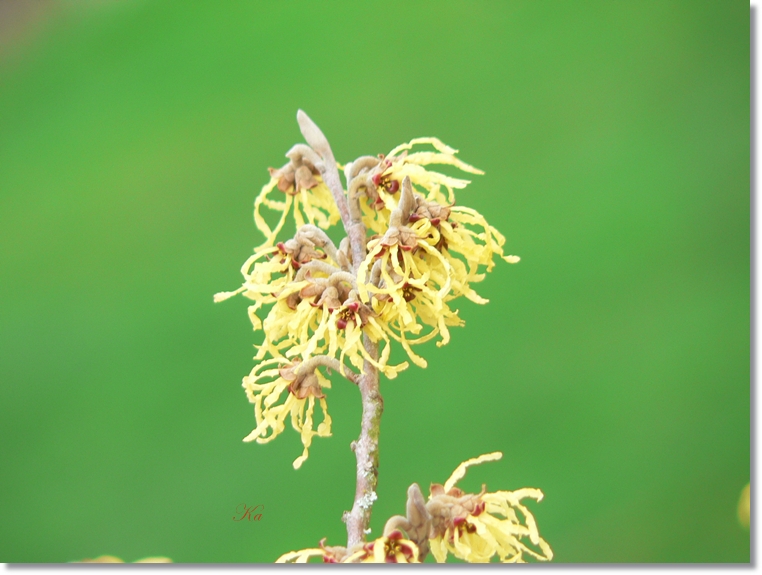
(611, 367)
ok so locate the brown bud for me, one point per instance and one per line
(329, 298)
(304, 178)
(305, 385)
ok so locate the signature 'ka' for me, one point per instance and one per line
(408, 253)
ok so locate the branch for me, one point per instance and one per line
(331, 363)
(366, 450)
(366, 447)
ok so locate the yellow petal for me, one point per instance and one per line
(460, 471)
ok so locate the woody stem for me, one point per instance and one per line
(366, 449)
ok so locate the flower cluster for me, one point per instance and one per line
(475, 527)
(426, 251)
(318, 306)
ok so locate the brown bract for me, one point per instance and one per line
(325, 293)
(302, 384)
(295, 176)
(416, 525)
(333, 554)
(432, 211)
(367, 176)
(329, 298)
(402, 236)
(451, 508)
(300, 251)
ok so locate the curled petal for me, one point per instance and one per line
(460, 471)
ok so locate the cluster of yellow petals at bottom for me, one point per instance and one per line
(474, 527)
(481, 537)
(393, 548)
(483, 534)
(112, 559)
(271, 416)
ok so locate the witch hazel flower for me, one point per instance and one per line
(288, 391)
(476, 527)
(304, 194)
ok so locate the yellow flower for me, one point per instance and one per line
(410, 292)
(428, 256)
(273, 268)
(469, 244)
(304, 190)
(384, 180)
(265, 388)
(477, 527)
(308, 302)
(391, 548)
